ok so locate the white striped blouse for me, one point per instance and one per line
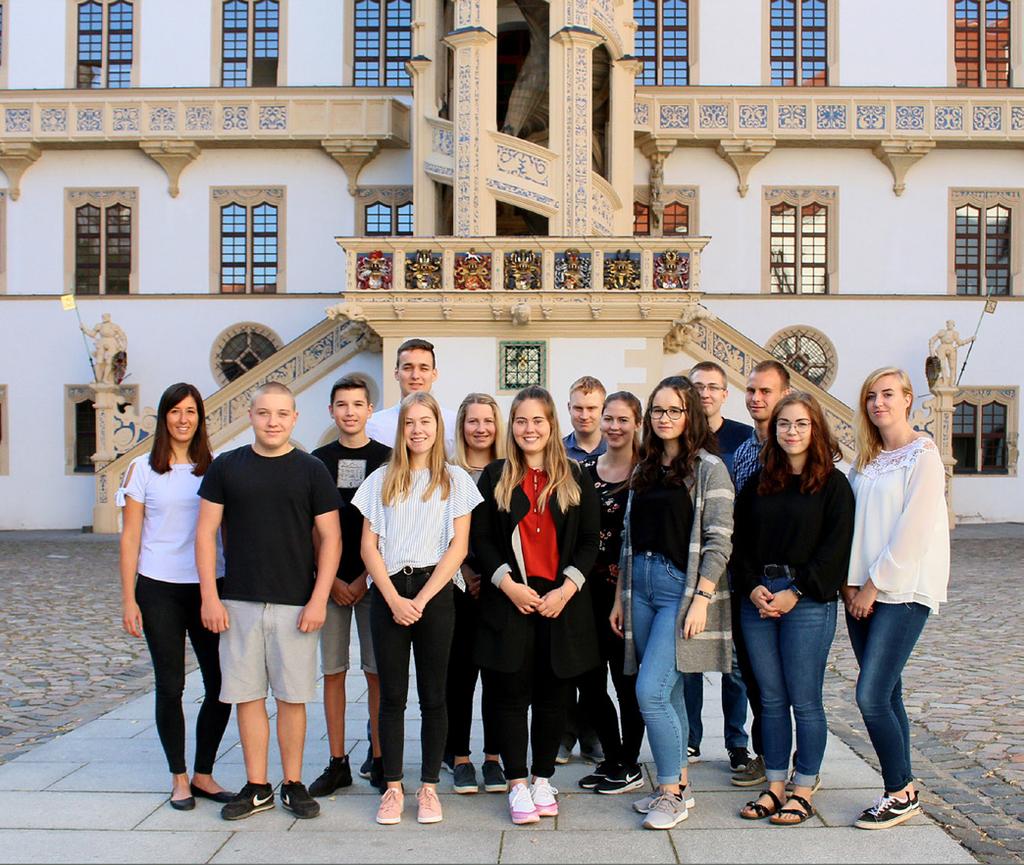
(414, 532)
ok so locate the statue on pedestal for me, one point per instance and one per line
(943, 347)
(110, 352)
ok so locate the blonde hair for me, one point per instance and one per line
(562, 484)
(497, 448)
(398, 476)
(868, 438)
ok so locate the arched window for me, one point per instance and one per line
(382, 43)
(241, 347)
(806, 351)
(800, 244)
(105, 48)
(676, 219)
(662, 41)
(983, 249)
(249, 246)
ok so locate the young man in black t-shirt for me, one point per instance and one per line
(349, 460)
(268, 496)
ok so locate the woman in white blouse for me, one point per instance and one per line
(160, 585)
(899, 569)
(416, 512)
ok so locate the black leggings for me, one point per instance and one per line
(462, 676)
(169, 612)
(430, 640)
(747, 672)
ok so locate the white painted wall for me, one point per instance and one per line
(730, 42)
(316, 33)
(882, 43)
(36, 44)
(176, 43)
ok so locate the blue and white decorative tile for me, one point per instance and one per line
(273, 117)
(235, 117)
(18, 120)
(871, 117)
(162, 119)
(987, 118)
(714, 115)
(753, 116)
(641, 113)
(199, 118)
(949, 118)
(674, 117)
(126, 120)
(792, 116)
(89, 120)
(831, 116)
(910, 118)
(1017, 117)
(53, 120)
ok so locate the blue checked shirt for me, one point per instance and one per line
(745, 462)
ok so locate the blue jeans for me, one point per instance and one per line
(882, 643)
(658, 588)
(734, 706)
(788, 655)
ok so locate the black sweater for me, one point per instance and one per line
(810, 532)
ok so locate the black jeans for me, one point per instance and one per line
(747, 672)
(534, 686)
(462, 676)
(593, 685)
(430, 640)
(169, 612)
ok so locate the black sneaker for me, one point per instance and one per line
(738, 759)
(364, 770)
(494, 777)
(338, 774)
(888, 811)
(601, 771)
(295, 797)
(377, 774)
(465, 778)
(622, 780)
(251, 799)
(692, 754)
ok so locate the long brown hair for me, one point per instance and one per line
(562, 483)
(498, 448)
(868, 438)
(398, 475)
(696, 436)
(637, 409)
(198, 449)
(822, 451)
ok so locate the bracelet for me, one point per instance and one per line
(561, 594)
(704, 594)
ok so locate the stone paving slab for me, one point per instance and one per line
(25, 775)
(52, 810)
(587, 847)
(33, 846)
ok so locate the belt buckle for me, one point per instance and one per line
(408, 570)
(775, 571)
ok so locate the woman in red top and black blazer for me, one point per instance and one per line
(536, 538)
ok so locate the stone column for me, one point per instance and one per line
(943, 406)
(620, 141)
(427, 53)
(104, 511)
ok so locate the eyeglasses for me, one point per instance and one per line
(710, 388)
(801, 426)
(674, 413)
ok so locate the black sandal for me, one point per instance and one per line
(761, 811)
(804, 815)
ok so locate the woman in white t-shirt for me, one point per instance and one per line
(160, 586)
(416, 512)
(899, 569)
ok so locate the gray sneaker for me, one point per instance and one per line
(642, 806)
(814, 789)
(667, 810)
(751, 775)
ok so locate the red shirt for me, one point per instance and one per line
(537, 530)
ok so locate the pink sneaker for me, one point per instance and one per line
(390, 811)
(429, 806)
(521, 807)
(544, 800)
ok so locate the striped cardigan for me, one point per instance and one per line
(710, 545)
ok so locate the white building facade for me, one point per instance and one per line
(824, 181)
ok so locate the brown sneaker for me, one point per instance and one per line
(751, 775)
(429, 806)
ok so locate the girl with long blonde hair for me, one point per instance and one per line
(535, 537)
(416, 512)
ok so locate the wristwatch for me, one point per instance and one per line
(703, 594)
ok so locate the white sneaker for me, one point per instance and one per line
(667, 810)
(544, 800)
(521, 807)
(642, 806)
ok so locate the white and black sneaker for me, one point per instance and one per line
(295, 797)
(622, 780)
(601, 771)
(888, 811)
(692, 754)
(251, 799)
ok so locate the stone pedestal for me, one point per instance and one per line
(943, 406)
(104, 511)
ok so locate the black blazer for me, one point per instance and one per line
(504, 632)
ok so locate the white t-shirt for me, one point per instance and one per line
(167, 551)
(384, 424)
(414, 532)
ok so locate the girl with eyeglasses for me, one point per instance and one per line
(672, 586)
(794, 526)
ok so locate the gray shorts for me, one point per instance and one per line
(337, 635)
(262, 646)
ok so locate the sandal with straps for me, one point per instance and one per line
(803, 816)
(761, 811)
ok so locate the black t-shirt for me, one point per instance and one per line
(350, 467)
(613, 498)
(269, 507)
(731, 434)
(660, 521)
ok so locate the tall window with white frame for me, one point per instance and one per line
(106, 33)
(982, 250)
(798, 43)
(798, 248)
(982, 35)
(249, 248)
(103, 249)
(383, 43)
(662, 42)
(250, 43)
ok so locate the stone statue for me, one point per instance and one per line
(521, 313)
(343, 310)
(110, 352)
(657, 190)
(684, 328)
(943, 346)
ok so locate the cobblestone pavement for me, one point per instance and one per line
(64, 660)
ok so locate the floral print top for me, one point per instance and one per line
(613, 496)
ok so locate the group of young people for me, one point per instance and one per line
(676, 542)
